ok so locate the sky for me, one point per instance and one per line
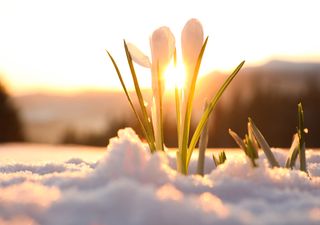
(59, 46)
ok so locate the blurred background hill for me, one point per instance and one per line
(268, 93)
(11, 128)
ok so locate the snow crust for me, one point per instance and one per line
(128, 185)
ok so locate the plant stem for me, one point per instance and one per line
(203, 143)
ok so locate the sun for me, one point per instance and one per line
(175, 76)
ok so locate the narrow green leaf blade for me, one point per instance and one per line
(145, 117)
(187, 119)
(237, 139)
(293, 152)
(210, 108)
(263, 144)
(253, 142)
(142, 125)
(221, 158)
(302, 144)
(215, 160)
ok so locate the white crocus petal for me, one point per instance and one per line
(191, 44)
(162, 43)
(162, 46)
(138, 56)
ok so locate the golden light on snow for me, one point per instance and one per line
(212, 204)
(169, 192)
(18, 221)
(315, 214)
(30, 193)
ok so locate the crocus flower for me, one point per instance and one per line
(191, 43)
(162, 44)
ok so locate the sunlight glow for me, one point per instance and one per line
(42, 52)
(175, 76)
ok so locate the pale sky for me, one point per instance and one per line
(60, 45)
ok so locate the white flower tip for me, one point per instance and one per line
(138, 56)
(194, 23)
(192, 39)
(164, 34)
(162, 44)
(193, 28)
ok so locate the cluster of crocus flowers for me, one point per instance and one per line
(163, 51)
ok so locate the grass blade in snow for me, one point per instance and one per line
(246, 145)
(253, 142)
(302, 144)
(263, 144)
(237, 139)
(222, 158)
(293, 152)
(251, 150)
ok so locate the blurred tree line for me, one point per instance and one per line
(274, 93)
(11, 129)
(274, 113)
(102, 138)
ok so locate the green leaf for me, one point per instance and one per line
(215, 160)
(263, 144)
(251, 151)
(253, 142)
(207, 113)
(293, 152)
(187, 119)
(238, 140)
(145, 117)
(150, 142)
(246, 145)
(221, 158)
(302, 144)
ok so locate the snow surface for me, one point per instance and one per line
(128, 185)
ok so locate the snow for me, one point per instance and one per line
(128, 185)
